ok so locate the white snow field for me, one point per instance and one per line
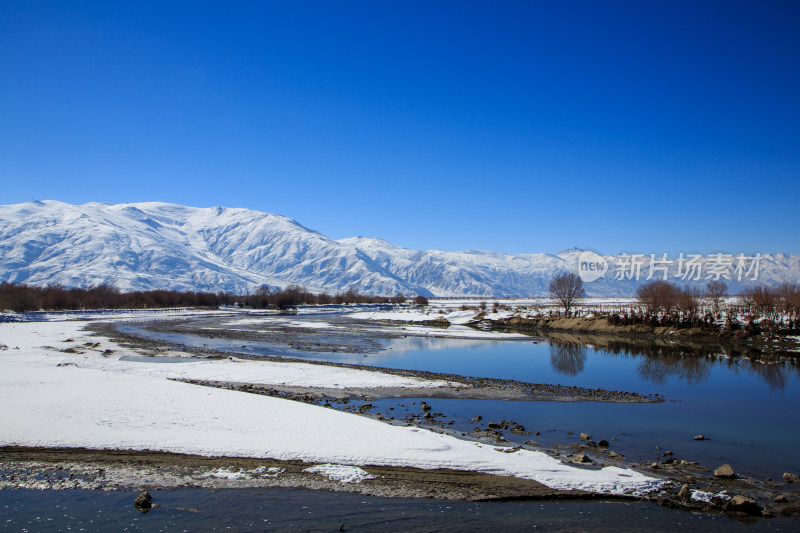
(56, 399)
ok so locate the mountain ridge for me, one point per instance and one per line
(155, 245)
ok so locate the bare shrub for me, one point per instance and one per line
(760, 300)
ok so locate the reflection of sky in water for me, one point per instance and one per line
(748, 409)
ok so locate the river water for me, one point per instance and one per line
(748, 411)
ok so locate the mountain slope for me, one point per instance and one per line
(165, 246)
(155, 245)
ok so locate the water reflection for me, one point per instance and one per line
(567, 358)
(687, 367)
(660, 359)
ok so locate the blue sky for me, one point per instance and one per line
(520, 127)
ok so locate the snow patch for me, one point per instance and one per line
(341, 473)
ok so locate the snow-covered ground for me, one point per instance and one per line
(56, 399)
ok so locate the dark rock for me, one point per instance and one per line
(684, 493)
(781, 498)
(582, 458)
(143, 501)
(743, 504)
(700, 437)
(424, 406)
(591, 443)
(725, 472)
(493, 425)
(585, 436)
(790, 478)
(603, 443)
(477, 418)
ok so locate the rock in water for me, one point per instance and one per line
(790, 478)
(700, 437)
(585, 436)
(725, 472)
(743, 504)
(582, 458)
(143, 501)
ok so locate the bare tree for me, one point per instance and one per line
(761, 300)
(399, 298)
(716, 291)
(789, 296)
(689, 301)
(421, 300)
(658, 296)
(567, 288)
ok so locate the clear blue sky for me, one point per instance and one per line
(518, 127)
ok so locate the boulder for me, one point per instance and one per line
(700, 437)
(684, 493)
(143, 501)
(603, 443)
(790, 478)
(582, 458)
(743, 504)
(585, 436)
(725, 472)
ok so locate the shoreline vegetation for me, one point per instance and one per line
(659, 308)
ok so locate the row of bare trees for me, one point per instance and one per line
(772, 302)
(295, 295)
(23, 298)
(666, 303)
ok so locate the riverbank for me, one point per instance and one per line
(74, 392)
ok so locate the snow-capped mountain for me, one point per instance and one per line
(165, 246)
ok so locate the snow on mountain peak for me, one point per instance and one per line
(155, 245)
